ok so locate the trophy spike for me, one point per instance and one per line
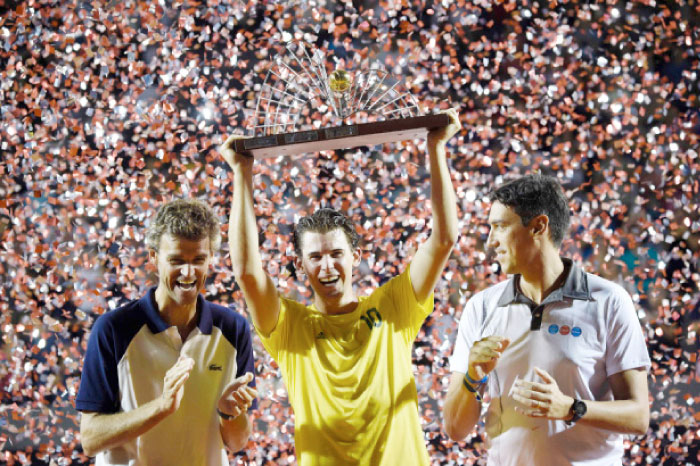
(303, 106)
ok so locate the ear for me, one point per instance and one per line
(356, 257)
(540, 225)
(213, 258)
(299, 265)
(153, 255)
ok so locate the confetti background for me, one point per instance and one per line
(109, 109)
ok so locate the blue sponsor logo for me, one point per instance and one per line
(553, 329)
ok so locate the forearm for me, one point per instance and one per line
(623, 416)
(258, 288)
(235, 432)
(243, 230)
(442, 196)
(461, 410)
(628, 413)
(100, 431)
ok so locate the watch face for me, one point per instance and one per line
(579, 409)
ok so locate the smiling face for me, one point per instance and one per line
(327, 260)
(182, 269)
(512, 242)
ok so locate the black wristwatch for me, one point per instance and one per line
(579, 409)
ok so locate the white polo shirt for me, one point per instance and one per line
(129, 351)
(588, 331)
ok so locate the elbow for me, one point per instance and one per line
(236, 433)
(89, 448)
(239, 271)
(446, 242)
(454, 430)
(450, 239)
(238, 440)
(241, 263)
(639, 423)
(238, 265)
(451, 235)
(642, 425)
(87, 441)
(237, 445)
(242, 273)
(639, 429)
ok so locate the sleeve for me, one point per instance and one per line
(625, 346)
(245, 360)
(469, 331)
(99, 382)
(410, 313)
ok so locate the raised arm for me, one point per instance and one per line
(259, 291)
(431, 257)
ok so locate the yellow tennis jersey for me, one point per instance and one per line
(350, 379)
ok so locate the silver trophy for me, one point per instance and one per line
(303, 107)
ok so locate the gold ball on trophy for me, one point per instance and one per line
(339, 81)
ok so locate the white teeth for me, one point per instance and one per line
(328, 280)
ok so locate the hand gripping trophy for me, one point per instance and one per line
(303, 108)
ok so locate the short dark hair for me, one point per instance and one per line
(536, 194)
(185, 218)
(323, 221)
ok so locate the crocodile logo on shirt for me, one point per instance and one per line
(214, 367)
(321, 335)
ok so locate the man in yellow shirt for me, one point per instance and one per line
(345, 359)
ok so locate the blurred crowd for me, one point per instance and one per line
(107, 109)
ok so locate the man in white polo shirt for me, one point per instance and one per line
(168, 378)
(558, 352)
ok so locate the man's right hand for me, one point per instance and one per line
(229, 154)
(103, 431)
(484, 355)
(238, 396)
(174, 383)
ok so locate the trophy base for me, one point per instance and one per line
(340, 137)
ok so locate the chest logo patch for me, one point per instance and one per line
(565, 330)
(214, 367)
(372, 318)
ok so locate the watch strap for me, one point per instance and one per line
(578, 408)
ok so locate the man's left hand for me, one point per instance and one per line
(238, 396)
(442, 135)
(542, 399)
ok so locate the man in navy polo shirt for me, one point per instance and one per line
(559, 352)
(168, 379)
